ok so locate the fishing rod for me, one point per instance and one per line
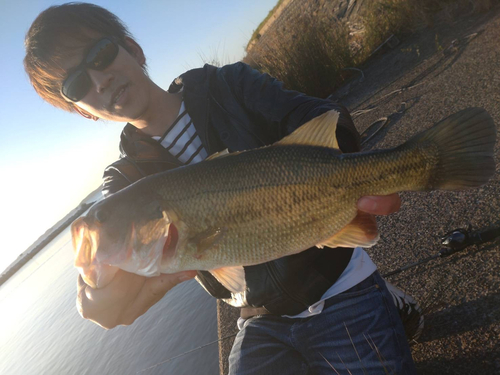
(455, 241)
(185, 353)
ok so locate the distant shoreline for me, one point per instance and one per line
(47, 237)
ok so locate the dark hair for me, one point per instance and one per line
(58, 31)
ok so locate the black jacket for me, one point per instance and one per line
(238, 108)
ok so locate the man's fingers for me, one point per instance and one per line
(152, 291)
(104, 305)
(380, 204)
(81, 298)
(80, 284)
(124, 286)
(165, 282)
(125, 298)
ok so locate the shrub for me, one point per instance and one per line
(309, 56)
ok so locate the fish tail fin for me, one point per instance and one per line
(464, 142)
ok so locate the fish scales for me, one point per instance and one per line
(254, 204)
(267, 214)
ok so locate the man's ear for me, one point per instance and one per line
(135, 50)
(84, 113)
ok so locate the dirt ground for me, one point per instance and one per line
(427, 77)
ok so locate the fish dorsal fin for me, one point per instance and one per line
(218, 154)
(233, 278)
(361, 231)
(320, 131)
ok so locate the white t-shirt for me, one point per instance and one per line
(359, 268)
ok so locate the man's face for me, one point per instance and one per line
(121, 91)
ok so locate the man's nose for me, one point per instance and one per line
(101, 79)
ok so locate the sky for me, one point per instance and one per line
(49, 159)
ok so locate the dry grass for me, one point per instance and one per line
(256, 32)
(382, 18)
(311, 59)
(312, 55)
(216, 56)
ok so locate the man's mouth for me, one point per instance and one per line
(118, 94)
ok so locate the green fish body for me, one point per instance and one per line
(252, 207)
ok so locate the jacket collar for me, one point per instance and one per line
(194, 85)
(139, 146)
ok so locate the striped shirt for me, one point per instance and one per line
(182, 141)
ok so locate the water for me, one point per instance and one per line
(42, 333)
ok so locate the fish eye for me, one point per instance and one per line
(101, 215)
(155, 211)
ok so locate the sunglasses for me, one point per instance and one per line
(100, 56)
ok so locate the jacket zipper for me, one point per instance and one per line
(209, 149)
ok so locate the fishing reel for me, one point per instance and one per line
(455, 241)
(458, 239)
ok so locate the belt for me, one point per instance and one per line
(248, 312)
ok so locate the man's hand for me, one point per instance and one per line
(127, 297)
(380, 204)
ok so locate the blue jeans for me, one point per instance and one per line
(359, 330)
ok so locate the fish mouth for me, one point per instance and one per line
(170, 247)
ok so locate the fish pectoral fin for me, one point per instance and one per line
(218, 154)
(233, 278)
(207, 240)
(361, 231)
(320, 131)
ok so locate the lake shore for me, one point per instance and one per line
(49, 235)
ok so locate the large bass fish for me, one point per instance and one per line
(251, 207)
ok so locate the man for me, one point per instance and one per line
(301, 314)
